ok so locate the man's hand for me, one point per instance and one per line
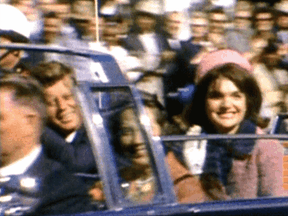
(96, 192)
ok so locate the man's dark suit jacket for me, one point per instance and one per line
(76, 156)
(133, 43)
(185, 72)
(180, 74)
(58, 191)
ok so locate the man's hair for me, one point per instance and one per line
(261, 10)
(64, 2)
(199, 14)
(48, 73)
(170, 13)
(51, 14)
(217, 9)
(27, 92)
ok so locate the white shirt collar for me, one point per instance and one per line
(174, 43)
(150, 34)
(70, 137)
(149, 43)
(21, 166)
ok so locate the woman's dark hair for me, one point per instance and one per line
(114, 126)
(167, 127)
(195, 113)
(148, 100)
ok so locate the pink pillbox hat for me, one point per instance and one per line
(220, 57)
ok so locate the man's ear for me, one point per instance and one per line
(33, 122)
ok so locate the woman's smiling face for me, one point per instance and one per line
(132, 140)
(225, 105)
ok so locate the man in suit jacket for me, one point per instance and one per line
(150, 47)
(145, 39)
(67, 142)
(30, 182)
(76, 156)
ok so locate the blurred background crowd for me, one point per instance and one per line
(159, 43)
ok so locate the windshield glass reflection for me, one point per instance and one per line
(138, 181)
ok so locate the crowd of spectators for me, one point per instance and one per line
(153, 49)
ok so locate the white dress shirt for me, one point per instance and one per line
(21, 166)
(151, 58)
(71, 137)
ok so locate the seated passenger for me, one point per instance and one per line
(139, 183)
(30, 182)
(227, 101)
(72, 147)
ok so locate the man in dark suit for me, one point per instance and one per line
(30, 182)
(180, 73)
(145, 39)
(72, 147)
(150, 47)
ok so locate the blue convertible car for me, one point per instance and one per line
(101, 91)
